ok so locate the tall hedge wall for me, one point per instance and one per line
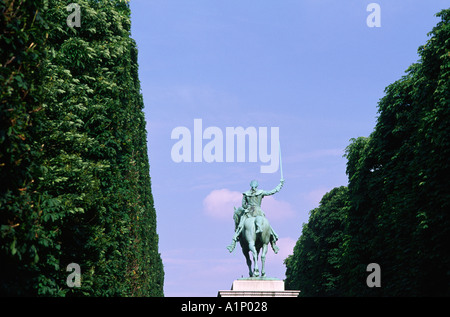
(74, 166)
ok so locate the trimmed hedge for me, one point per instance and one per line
(74, 159)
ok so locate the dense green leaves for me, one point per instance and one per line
(316, 264)
(21, 50)
(397, 212)
(75, 156)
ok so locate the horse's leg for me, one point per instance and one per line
(249, 262)
(265, 240)
(263, 259)
(250, 237)
(252, 248)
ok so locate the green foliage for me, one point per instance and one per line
(398, 193)
(90, 200)
(21, 50)
(315, 266)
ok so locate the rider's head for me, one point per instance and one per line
(254, 184)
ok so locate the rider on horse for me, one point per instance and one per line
(251, 207)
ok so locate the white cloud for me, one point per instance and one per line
(276, 210)
(275, 262)
(314, 196)
(286, 246)
(220, 204)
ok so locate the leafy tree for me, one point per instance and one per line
(398, 192)
(21, 52)
(93, 203)
(315, 266)
(399, 197)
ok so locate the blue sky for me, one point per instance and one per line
(312, 68)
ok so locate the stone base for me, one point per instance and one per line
(258, 287)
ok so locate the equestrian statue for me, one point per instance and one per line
(252, 229)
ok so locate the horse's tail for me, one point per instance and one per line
(250, 226)
(266, 231)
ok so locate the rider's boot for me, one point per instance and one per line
(232, 245)
(233, 242)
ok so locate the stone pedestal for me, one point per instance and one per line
(258, 287)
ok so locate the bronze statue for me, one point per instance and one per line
(252, 228)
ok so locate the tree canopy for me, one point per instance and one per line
(396, 212)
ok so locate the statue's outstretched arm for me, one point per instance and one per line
(275, 190)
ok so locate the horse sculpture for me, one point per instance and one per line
(253, 242)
